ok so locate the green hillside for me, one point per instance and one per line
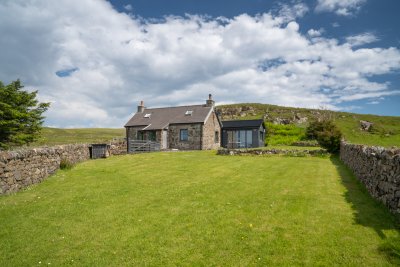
(55, 136)
(385, 130)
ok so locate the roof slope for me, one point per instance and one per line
(242, 124)
(161, 117)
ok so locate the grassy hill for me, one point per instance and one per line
(385, 130)
(55, 136)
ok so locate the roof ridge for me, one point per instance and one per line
(177, 107)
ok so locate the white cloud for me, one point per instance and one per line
(128, 7)
(340, 7)
(315, 33)
(120, 60)
(289, 12)
(361, 39)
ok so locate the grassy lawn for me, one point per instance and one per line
(198, 209)
(56, 136)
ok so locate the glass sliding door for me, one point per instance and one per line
(249, 138)
(239, 138)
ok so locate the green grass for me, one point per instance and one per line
(386, 129)
(56, 136)
(283, 134)
(198, 209)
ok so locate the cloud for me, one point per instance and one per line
(339, 7)
(361, 39)
(121, 59)
(315, 33)
(128, 7)
(289, 12)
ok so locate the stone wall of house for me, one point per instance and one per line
(378, 169)
(132, 132)
(19, 169)
(194, 136)
(211, 133)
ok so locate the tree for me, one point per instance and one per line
(326, 133)
(20, 115)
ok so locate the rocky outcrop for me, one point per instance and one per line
(378, 169)
(366, 125)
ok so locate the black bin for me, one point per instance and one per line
(99, 151)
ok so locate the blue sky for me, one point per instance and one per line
(335, 54)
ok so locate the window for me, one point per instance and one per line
(151, 136)
(216, 137)
(239, 139)
(184, 135)
(189, 113)
(147, 115)
(140, 135)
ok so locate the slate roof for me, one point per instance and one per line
(242, 124)
(160, 118)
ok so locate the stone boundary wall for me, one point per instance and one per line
(21, 168)
(258, 152)
(118, 147)
(378, 169)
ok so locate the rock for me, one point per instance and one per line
(366, 125)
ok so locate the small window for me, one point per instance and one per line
(189, 113)
(184, 135)
(216, 137)
(147, 115)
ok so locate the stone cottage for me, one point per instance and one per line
(194, 127)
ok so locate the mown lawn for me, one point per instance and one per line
(198, 209)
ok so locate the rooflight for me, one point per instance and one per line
(147, 115)
(189, 113)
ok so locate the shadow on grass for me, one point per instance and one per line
(370, 212)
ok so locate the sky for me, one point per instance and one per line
(95, 60)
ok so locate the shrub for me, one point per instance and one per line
(326, 133)
(65, 164)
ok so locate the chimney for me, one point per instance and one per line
(140, 108)
(210, 102)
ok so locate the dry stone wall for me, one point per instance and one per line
(272, 151)
(378, 169)
(21, 168)
(118, 147)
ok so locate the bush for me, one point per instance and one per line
(326, 133)
(66, 164)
